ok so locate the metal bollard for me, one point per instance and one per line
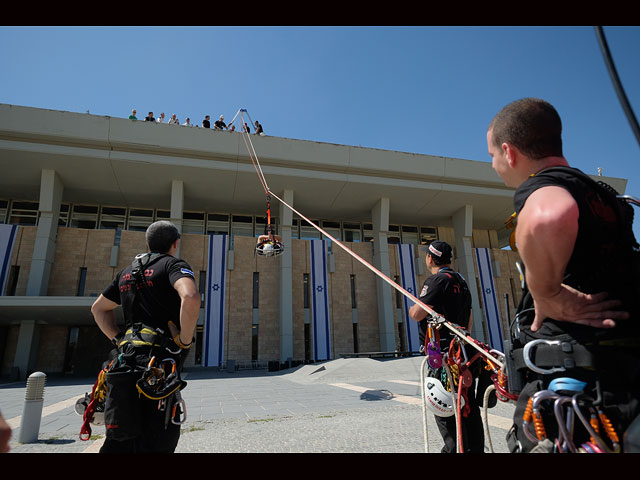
(32, 412)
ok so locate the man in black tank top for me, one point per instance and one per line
(575, 240)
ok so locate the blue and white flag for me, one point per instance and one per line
(320, 301)
(408, 282)
(215, 304)
(7, 240)
(489, 298)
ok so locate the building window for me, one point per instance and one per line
(355, 337)
(295, 228)
(4, 208)
(352, 232)
(193, 222)
(63, 217)
(12, 280)
(140, 219)
(113, 218)
(24, 213)
(410, 234)
(254, 342)
(72, 345)
(202, 287)
(332, 228)
(84, 216)
(217, 224)
(307, 341)
(394, 234)
(256, 290)
(163, 215)
(307, 232)
(353, 292)
(428, 235)
(306, 292)
(241, 226)
(367, 232)
(82, 281)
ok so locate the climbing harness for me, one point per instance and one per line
(269, 244)
(160, 381)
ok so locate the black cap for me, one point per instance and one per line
(440, 251)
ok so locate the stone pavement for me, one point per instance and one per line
(350, 405)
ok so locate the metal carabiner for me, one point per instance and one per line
(531, 365)
(183, 406)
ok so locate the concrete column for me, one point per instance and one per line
(177, 207)
(286, 279)
(380, 220)
(26, 348)
(463, 227)
(44, 249)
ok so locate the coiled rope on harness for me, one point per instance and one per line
(98, 395)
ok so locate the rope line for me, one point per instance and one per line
(439, 319)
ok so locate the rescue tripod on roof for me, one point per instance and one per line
(269, 244)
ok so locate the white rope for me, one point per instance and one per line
(439, 319)
(485, 415)
(424, 406)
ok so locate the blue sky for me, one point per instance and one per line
(430, 90)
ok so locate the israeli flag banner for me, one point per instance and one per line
(320, 301)
(408, 282)
(489, 298)
(7, 240)
(215, 302)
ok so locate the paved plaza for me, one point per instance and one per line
(349, 405)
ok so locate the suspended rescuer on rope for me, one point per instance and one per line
(580, 282)
(446, 292)
(161, 304)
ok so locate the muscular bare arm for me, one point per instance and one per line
(189, 307)
(102, 310)
(546, 234)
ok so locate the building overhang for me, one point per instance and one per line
(120, 162)
(49, 310)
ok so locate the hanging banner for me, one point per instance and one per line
(215, 302)
(489, 298)
(7, 240)
(408, 282)
(320, 301)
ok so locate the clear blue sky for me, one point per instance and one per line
(430, 90)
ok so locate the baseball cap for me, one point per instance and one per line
(440, 250)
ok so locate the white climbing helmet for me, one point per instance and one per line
(438, 399)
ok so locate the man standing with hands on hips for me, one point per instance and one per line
(161, 305)
(581, 302)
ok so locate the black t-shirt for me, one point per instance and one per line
(448, 294)
(155, 302)
(220, 124)
(206, 124)
(601, 259)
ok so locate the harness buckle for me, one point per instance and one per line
(531, 365)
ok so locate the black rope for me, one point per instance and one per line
(617, 84)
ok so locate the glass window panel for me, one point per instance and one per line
(307, 232)
(84, 216)
(217, 224)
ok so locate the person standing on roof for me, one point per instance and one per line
(219, 124)
(259, 130)
(581, 287)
